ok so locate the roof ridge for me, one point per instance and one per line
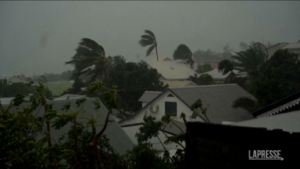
(206, 86)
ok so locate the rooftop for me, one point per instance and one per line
(172, 70)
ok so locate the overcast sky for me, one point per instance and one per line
(38, 37)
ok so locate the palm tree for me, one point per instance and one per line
(248, 61)
(184, 52)
(90, 60)
(148, 39)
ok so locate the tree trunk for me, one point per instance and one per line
(156, 50)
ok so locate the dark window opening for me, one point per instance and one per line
(171, 108)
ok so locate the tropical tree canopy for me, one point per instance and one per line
(89, 59)
(204, 68)
(148, 39)
(133, 79)
(183, 52)
(203, 79)
(278, 77)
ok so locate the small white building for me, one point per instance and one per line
(218, 99)
(172, 70)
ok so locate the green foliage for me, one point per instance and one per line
(278, 78)
(133, 79)
(271, 80)
(204, 68)
(149, 129)
(203, 79)
(11, 90)
(143, 157)
(90, 60)
(148, 39)
(182, 52)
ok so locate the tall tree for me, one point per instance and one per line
(203, 79)
(204, 68)
(278, 78)
(148, 39)
(133, 79)
(90, 59)
(183, 52)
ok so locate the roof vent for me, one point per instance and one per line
(172, 68)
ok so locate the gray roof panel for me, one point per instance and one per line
(149, 95)
(218, 99)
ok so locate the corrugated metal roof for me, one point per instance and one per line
(148, 96)
(289, 122)
(292, 46)
(215, 74)
(177, 83)
(172, 70)
(220, 99)
(71, 97)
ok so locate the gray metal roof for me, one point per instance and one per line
(220, 99)
(292, 46)
(149, 95)
(174, 128)
(287, 122)
(118, 138)
(172, 70)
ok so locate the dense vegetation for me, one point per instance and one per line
(26, 140)
(267, 80)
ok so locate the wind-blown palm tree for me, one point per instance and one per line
(148, 39)
(248, 61)
(184, 52)
(90, 60)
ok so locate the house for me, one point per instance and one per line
(292, 47)
(217, 76)
(218, 99)
(16, 79)
(118, 138)
(178, 83)
(287, 104)
(172, 70)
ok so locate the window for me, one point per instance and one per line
(171, 108)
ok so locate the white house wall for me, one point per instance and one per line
(181, 107)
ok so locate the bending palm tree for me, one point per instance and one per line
(148, 39)
(90, 60)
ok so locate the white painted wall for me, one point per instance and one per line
(181, 107)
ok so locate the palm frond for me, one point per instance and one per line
(146, 42)
(147, 37)
(150, 33)
(225, 66)
(150, 49)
